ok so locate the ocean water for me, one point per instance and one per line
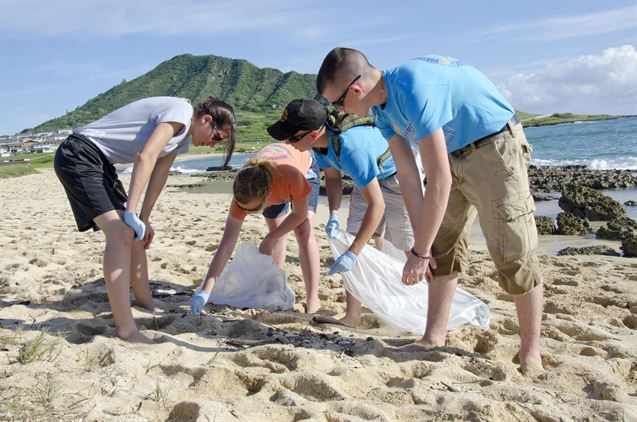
(609, 144)
(194, 165)
(601, 145)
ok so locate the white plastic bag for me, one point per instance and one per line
(376, 282)
(252, 280)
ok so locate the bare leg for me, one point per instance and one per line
(139, 277)
(441, 290)
(310, 262)
(278, 252)
(117, 265)
(352, 312)
(529, 309)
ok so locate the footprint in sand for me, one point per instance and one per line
(313, 387)
(280, 318)
(630, 321)
(490, 370)
(398, 382)
(244, 328)
(359, 411)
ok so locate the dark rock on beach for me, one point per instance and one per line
(630, 203)
(569, 224)
(617, 229)
(587, 203)
(629, 246)
(550, 179)
(545, 196)
(545, 225)
(219, 168)
(589, 250)
(221, 175)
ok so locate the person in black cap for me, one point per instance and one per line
(354, 146)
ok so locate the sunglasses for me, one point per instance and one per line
(250, 210)
(296, 138)
(341, 100)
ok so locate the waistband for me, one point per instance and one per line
(467, 149)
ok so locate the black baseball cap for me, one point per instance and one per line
(298, 115)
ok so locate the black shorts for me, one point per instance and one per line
(273, 211)
(89, 179)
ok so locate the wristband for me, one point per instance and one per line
(417, 255)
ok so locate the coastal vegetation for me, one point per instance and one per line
(257, 94)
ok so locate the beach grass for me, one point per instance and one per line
(16, 170)
(36, 161)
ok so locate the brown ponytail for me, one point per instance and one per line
(253, 181)
(222, 115)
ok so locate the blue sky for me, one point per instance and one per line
(546, 56)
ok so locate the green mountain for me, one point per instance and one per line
(257, 94)
(238, 82)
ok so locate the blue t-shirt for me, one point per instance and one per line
(434, 92)
(361, 146)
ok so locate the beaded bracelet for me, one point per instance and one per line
(417, 255)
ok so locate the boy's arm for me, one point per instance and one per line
(408, 177)
(373, 215)
(146, 160)
(334, 188)
(426, 213)
(223, 253)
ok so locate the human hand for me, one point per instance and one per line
(134, 222)
(418, 268)
(343, 263)
(149, 235)
(267, 245)
(198, 301)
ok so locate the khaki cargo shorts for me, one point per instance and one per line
(491, 181)
(395, 225)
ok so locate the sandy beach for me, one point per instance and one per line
(59, 359)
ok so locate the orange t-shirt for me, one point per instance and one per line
(288, 179)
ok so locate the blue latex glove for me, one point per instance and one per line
(343, 263)
(332, 226)
(198, 301)
(134, 222)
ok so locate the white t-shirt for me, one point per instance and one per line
(122, 134)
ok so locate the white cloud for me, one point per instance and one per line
(122, 17)
(595, 83)
(572, 26)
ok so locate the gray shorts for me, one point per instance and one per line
(395, 225)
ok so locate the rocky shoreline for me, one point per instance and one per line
(576, 188)
(547, 181)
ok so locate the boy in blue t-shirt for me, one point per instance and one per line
(376, 205)
(475, 155)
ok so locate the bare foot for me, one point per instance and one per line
(422, 344)
(137, 337)
(531, 367)
(155, 307)
(345, 321)
(312, 306)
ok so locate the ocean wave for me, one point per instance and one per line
(624, 163)
(184, 170)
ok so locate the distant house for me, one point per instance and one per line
(42, 148)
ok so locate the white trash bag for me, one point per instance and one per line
(252, 280)
(376, 282)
